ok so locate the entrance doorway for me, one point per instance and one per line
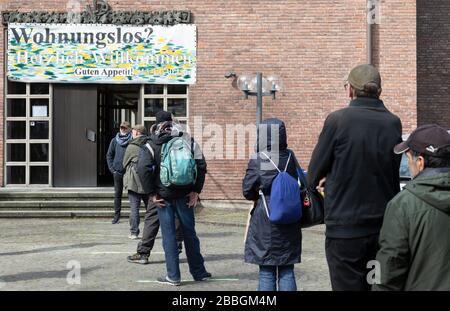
(86, 118)
(116, 103)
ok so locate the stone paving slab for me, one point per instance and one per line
(38, 254)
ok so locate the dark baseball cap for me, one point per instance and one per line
(364, 75)
(430, 139)
(163, 116)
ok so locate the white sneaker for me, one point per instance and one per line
(133, 237)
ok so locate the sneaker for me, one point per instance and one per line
(166, 280)
(138, 258)
(133, 237)
(180, 248)
(205, 277)
(116, 220)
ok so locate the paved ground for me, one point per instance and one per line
(35, 254)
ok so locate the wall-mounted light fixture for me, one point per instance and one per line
(259, 86)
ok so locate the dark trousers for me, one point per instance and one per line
(347, 262)
(151, 228)
(135, 204)
(118, 189)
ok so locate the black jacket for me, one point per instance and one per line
(149, 167)
(267, 243)
(116, 151)
(355, 154)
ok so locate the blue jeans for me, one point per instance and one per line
(191, 242)
(268, 278)
(135, 205)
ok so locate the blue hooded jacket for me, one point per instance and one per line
(116, 151)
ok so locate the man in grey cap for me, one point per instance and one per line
(414, 248)
(131, 180)
(354, 165)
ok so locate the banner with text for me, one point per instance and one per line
(93, 53)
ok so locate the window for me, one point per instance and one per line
(28, 133)
(172, 98)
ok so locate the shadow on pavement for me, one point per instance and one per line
(56, 248)
(213, 257)
(215, 234)
(28, 276)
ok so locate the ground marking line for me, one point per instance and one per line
(105, 235)
(108, 252)
(191, 281)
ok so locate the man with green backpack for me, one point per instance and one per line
(172, 169)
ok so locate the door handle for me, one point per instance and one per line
(91, 135)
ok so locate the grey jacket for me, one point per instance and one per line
(131, 180)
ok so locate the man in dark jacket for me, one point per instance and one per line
(171, 201)
(353, 160)
(414, 240)
(114, 158)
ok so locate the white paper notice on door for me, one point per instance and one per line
(39, 111)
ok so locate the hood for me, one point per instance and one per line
(271, 135)
(164, 132)
(123, 140)
(138, 141)
(433, 187)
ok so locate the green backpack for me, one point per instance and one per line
(178, 165)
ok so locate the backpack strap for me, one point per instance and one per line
(301, 178)
(150, 149)
(271, 161)
(287, 163)
(264, 202)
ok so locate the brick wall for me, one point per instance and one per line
(433, 62)
(397, 59)
(311, 44)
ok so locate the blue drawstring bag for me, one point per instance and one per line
(285, 197)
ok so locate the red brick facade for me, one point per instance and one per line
(311, 44)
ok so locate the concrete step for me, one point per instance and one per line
(60, 214)
(26, 204)
(80, 202)
(57, 196)
(52, 204)
(234, 211)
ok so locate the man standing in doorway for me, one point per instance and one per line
(131, 180)
(353, 163)
(114, 158)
